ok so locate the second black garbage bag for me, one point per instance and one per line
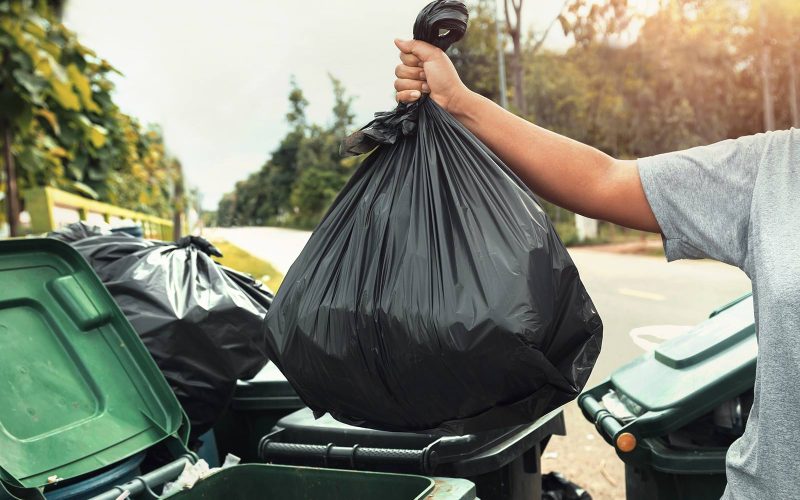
(201, 322)
(435, 294)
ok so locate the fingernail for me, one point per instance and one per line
(416, 94)
(422, 75)
(425, 87)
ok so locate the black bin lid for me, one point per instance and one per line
(300, 439)
(268, 390)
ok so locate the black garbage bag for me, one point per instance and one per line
(201, 321)
(76, 231)
(556, 487)
(435, 294)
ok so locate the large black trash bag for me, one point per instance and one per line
(434, 295)
(201, 322)
(556, 487)
(76, 231)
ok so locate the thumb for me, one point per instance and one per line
(424, 51)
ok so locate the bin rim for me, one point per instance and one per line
(427, 489)
(452, 456)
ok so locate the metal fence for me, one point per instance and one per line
(50, 208)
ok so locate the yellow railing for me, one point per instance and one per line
(50, 208)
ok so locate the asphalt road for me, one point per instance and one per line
(278, 246)
(637, 291)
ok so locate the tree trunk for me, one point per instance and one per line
(793, 104)
(179, 204)
(501, 59)
(12, 196)
(766, 74)
(517, 68)
(519, 79)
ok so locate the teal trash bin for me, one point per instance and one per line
(250, 481)
(82, 398)
(672, 414)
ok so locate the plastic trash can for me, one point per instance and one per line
(672, 414)
(245, 482)
(503, 464)
(256, 407)
(78, 387)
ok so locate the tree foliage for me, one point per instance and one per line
(302, 176)
(631, 85)
(67, 132)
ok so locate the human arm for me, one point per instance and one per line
(562, 170)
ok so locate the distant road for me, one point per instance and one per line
(633, 291)
(278, 246)
(630, 291)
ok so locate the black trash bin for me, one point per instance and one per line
(503, 464)
(672, 414)
(256, 407)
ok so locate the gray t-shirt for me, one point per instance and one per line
(738, 201)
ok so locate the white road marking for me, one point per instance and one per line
(630, 292)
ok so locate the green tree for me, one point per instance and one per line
(302, 176)
(475, 55)
(60, 125)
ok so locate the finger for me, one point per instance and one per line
(409, 72)
(402, 84)
(410, 60)
(424, 51)
(408, 95)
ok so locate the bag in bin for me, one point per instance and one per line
(201, 321)
(434, 295)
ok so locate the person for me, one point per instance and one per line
(737, 201)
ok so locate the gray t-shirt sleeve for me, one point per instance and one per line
(701, 198)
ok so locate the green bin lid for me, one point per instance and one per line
(78, 389)
(718, 355)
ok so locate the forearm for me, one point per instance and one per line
(563, 171)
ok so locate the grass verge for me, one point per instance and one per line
(240, 260)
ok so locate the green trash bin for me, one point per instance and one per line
(504, 464)
(255, 408)
(672, 414)
(83, 401)
(245, 482)
(82, 398)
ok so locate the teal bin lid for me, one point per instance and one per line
(720, 352)
(78, 389)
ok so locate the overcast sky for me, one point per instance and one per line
(215, 75)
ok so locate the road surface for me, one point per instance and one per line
(279, 246)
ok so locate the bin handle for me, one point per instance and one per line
(145, 483)
(352, 456)
(606, 423)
